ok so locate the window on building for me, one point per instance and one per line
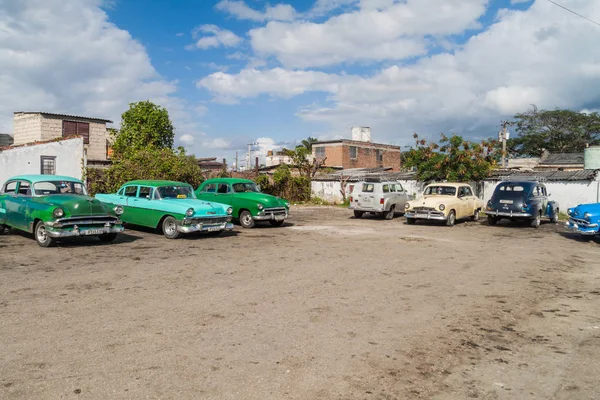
(353, 152)
(380, 156)
(71, 128)
(320, 152)
(48, 165)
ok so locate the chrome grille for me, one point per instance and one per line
(424, 209)
(275, 210)
(581, 222)
(87, 220)
(211, 220)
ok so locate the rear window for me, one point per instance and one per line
(368, 187)
(511, 188)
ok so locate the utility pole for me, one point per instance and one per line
(503, 136)
(237, 165)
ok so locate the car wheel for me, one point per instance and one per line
(492, 220)
(554, 219)
(246, 219)
(169, 228)
(535, 223)
(3, 229)
(451, 218)
(411, 221)
(107, 237)
(276, 223)
(358, 214)
(390, 214)
(41, 235)
(476, 216)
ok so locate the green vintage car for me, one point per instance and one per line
(169, 206)
(249, 204)
(53, 207)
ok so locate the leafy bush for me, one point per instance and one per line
(283, 184)
(163, 164)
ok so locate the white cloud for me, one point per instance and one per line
(187, 139)
(379, 31)
(537, 56)
(239, 9)
(87, 66)
(217, 37)
(216, 144)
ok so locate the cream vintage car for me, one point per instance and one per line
(444, 202)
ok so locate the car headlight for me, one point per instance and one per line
(118, 210)
(287, 205)
(406, 206)
(189, 212)
(569, 211)
(260, 206)
(442, 207)
(586, 216)
(58, 212)
(229, 211)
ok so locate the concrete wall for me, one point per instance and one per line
(330, 190)
(27, 159)
(27, 128)
(567, 193)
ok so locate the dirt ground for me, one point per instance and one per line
(325, 307)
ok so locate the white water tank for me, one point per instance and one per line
(361, 133)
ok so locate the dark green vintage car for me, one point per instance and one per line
(53, 207)
(249, 204)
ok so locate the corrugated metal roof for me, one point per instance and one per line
(65, 115)
(359, 174)
(582, 175)
(562, 159)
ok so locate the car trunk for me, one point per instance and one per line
(367, 200)
(509, 201)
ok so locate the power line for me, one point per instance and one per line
(573, 12)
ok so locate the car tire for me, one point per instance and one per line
(107, 237)
(358, 214)
(390, 214)
(41, 237)
(451, 218)
(276, 223)
(169, 228)
(476, 216)
(246, 220)
(554, 219)
(411, 221)
(536, 222)
(492, 221)
(3, 229)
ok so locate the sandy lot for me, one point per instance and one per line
(325, 307)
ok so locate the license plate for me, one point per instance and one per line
(422, 215)
(93, 232)
(506, 201)
(213, 229)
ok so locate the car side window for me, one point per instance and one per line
(467, 191)
(386, 188)
(223, 188)
(121, 192)
(131, 191)
(544, 192)
(145, 192)
(210, 188)
(24, 188)
(10, 187)
(399, 188)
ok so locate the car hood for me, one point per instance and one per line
(74, 204)
(200, 207)
(592, 209)
(432, 201)
(265, 199)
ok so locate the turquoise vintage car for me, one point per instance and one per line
(249, 203)
(53, 207)
(170, 206)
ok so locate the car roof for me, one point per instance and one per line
(43, 178)
(155, 183)
(451, 184)
(227, 180)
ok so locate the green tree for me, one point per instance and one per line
(553, 130)
(145, 125)
(453, 159)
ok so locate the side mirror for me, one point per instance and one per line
(548, 195)
(258, 187)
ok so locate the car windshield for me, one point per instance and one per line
(175, 192)
(440, 191)
(59, 187)
(245, 187)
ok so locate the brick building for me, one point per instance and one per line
(345, 153)
(32, 127)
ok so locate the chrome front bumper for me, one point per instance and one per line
(428, 215)
(582, 227)
(201, 227)
(272, 215)
(509, 214)
(87, 231)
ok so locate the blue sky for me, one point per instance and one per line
(233, 71)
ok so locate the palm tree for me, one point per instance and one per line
(308, 142)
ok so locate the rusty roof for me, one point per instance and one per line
(65, 116)
(582, 175)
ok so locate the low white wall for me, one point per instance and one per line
(27, 159)
(330, 190)
(566, 193)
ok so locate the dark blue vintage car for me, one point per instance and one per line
(585, 219)
(527, 200)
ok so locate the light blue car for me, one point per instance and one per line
(585, 219)
(169, 206)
